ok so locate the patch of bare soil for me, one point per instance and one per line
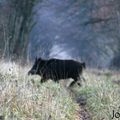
(116, 82)
(83, 112)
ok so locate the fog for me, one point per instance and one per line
(65, 29)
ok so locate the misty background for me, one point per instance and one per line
(66, 29)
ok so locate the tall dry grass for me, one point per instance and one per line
(23, 97)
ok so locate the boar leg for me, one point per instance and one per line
(43, 80)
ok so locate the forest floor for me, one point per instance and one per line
(23, 97)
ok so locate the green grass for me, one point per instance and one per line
(103, 96)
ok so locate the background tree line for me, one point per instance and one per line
(89, 29)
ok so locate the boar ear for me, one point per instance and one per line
(40, 58)
(36, 59)
(84, 65)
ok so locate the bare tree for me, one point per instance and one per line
(20, 24)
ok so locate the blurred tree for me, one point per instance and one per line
(19, 25)
(115, 62)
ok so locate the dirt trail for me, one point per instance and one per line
(83, 112)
